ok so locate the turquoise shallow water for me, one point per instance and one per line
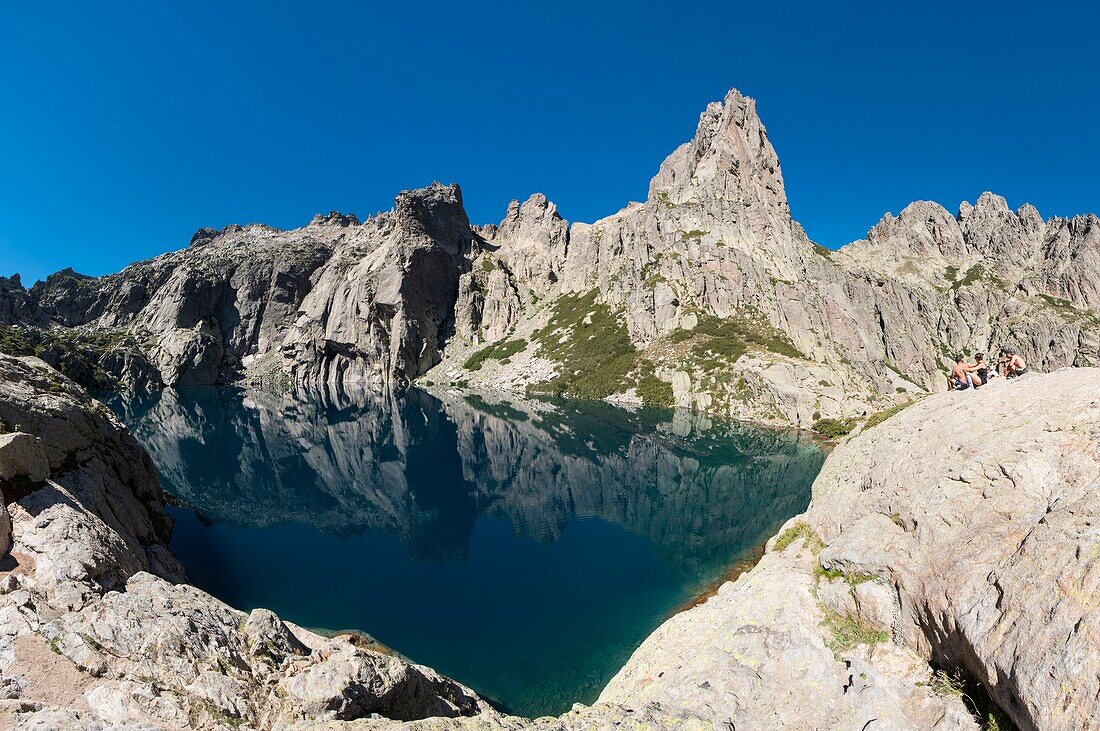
(524, 549)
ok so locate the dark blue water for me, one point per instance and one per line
(525, 549)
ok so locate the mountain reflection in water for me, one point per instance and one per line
(524, 548)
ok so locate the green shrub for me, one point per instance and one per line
(834, 428)
(654, 391)
(502, 351)
(14, 341)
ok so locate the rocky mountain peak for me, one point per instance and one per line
(730, 157)
(536, 222)
(1031, 219)
(335, 218)
(435, 211)
(15, 304)
(203, 236)
(993, 230)
(922, 228)
(989, 207)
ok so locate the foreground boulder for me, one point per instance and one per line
(964, 529)
(982, 512)
(95, 634)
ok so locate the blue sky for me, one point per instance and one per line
(126, 126)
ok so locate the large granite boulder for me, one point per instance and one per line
(22, 456)
(981, 512)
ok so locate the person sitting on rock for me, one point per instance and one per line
(1013, 362)
(961, 376)
(982, 370)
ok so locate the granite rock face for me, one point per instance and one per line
(16, 307)
(382, 307)
(95, 634)
(337, 300)
(714, 249)
(989, 539)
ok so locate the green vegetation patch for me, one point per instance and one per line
(834, 428)
(796, 531)
(839, 428)
(880, 416)
(591, 346)
(14, 341)
(848, 632)
(975, 274)
(1058, 303)
(823, 252)
(855, 579)
(501, 351)
(655, 391)
(727, 339)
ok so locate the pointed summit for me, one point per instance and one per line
(730, 157)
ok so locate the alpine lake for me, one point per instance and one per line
(524, 548)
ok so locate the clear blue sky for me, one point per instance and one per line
(126, 126)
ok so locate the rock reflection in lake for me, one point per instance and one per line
(525, 548)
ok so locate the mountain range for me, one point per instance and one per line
(708, 295)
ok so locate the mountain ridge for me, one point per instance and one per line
(708, 295)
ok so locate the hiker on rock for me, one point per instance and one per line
(1013, 363)
(962, 376)
(982, 370)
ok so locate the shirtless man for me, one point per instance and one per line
(961, 376)
(1013, 363)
